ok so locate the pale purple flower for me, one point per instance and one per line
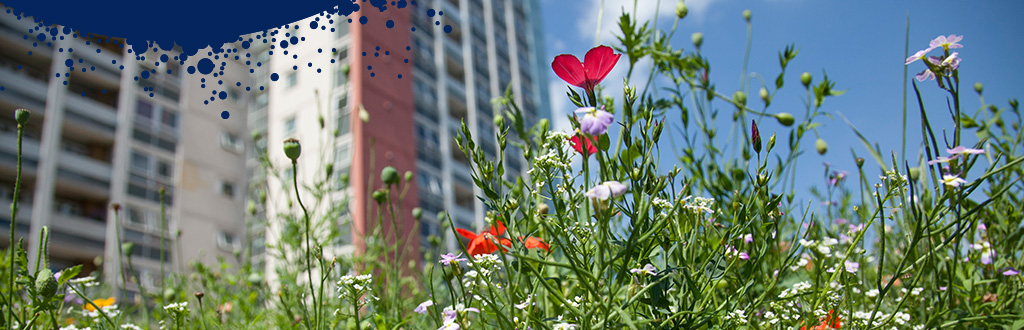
(940, 159)
(449, 258)
(964, 151)
(942, 288)
(952, 41)
(837, 177)
(852, 266)
(952, 181)
(982, 227)
(422, 308)
(986, 252)
(744, 256)
(748, 238)
(526, 303)
(919, 55)
(845, 239)
(1010, 271)
(952, 62)
(925, 75)
(646, 270)
(606, 190)
(840, 221)
(594, 121)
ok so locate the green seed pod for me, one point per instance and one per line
(408, 176)
(681, 10)
(746, 15)
(389, 175)
(417, 213)
(127, 248)
(22, 116)
(697, 38)
(978, 87)
(764, 95)
(320, 119)
(379, 196)
(821, 145)
(46, 285)
(292, 149)
(805, 78)
(785, 118)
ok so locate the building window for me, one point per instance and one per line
(289, 126)
(344, 114)
(293, 78)
(163, 169)
(228, 241)
(169, 118)
(227, 189)
(144, 109)
(140, 161)
(231, 142)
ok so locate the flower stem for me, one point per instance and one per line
(309, 265)
(14, 220)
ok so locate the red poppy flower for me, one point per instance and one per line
(828, 323)
(586, 142)
(535, 243)
(587, 74)
(483, 243)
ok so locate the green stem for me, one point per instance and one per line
(309, 265)
(14, 220)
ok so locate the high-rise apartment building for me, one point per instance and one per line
(109, 126)
(440, 64)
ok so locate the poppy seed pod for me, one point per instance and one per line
(785, 118)
(860, 162)
(978, 87)
(408, 176)
(389, 175)
(697, 38)
(417, 213)
(379, 196)
(128, 248)
(681, 10)
(292, 149)
(22, 116)
(499, 121)
(805, 78)
(822, 146)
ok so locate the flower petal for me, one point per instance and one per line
(598, 62)
(569, 68)
(465, 233)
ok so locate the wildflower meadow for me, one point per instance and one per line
(612, 227)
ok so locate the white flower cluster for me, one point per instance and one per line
(69, 327)
(824, 247)
(900, 318)
(88, 281)
(357, 282)
(180, 307)
(795, 290)
(664, 204)
(699, 205)
(129, 326)
(487, 263)
(737, 316)
(558, 147)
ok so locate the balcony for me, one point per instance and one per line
(9, 151)
(95, 113)
(97, 171)
(23, 90)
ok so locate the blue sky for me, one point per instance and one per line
(860, 45)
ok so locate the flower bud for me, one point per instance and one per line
(115, 206)
(771, 142)
(1013, 103)
(805, 78)
(364, 115)
(821, 145)
(417, 213)
(169, 294)
(681, 10)
(46, 285)
(329, 170)
(978, 87)
(389, 175)
(379, 196)
(785, 118)
(292, 149)
(746, 15)
(408, 176)
(755, 137)
(127, 248)
(255, 135)
(320, 120)
(860, 162)
(200, 295)
(499, 121)
(764, 95)
(251, 207)
(915, 173)
(740, 97)
(543, 208)
(22, 115)
(345, 69)
(697, 38)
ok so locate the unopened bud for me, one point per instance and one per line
(740, 98)
(978, 87)
(115, 206)
(379, 196)
(746, 15)
(499, 121)
(329, 170)
(915, 173)
(697, 38)
(785, 118)
(417, 213)
(345, 69)
(543, 208)
(821, 145)
(389, 175)
(860, 162)
(805, 78)
(764, 95)
(127, 248)
(755, 137)
(771, 142)
(681, 10)
(200, 295)
(408, 176)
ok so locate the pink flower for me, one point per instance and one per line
(748, 238)
(919, 55)
(422, 308)
(606, 190)
(964, 151)
(594, 121)
(744, 256)
(596, 65)
(952, 41)
(449, 258)
(852, 266)
(1009, 271)
(646, 270)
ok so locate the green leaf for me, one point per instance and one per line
(69, 273)
(1017, 325)
(603, 142)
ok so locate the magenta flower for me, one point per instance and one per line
(744, 256)
(952, 41)
(449, 258)
(606, 190)
(594, 121)
(1010, 271)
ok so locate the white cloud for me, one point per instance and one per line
(560, 106)
(646, 10)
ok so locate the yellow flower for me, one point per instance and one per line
(99, 302)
